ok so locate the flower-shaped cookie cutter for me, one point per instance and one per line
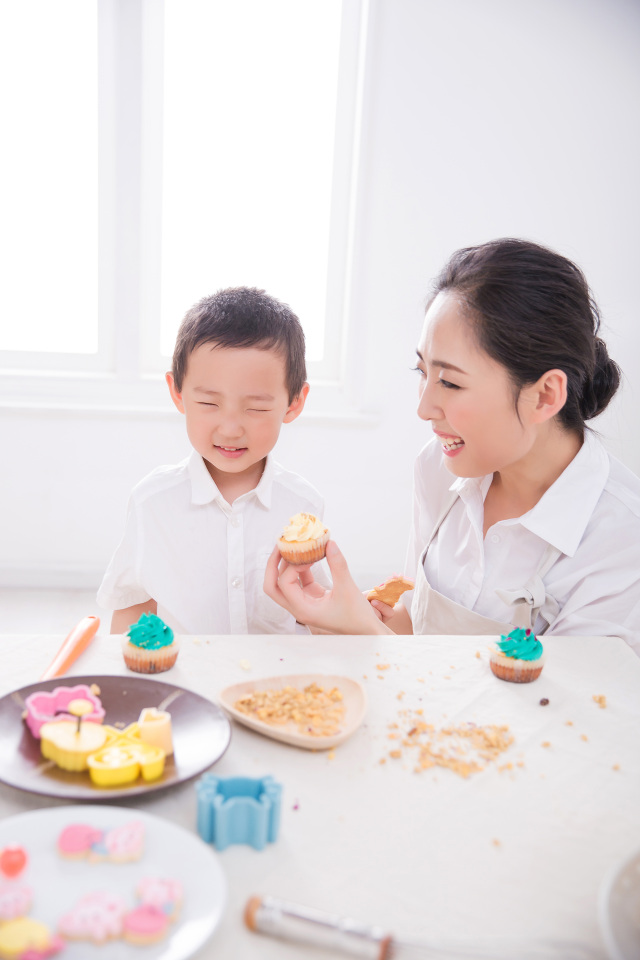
(238, 810)
(44, 706)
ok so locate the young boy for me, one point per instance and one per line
(198, 534)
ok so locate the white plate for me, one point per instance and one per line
(619, 909)
(353, 699)
(169, 851)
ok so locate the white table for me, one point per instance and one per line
(520, 852)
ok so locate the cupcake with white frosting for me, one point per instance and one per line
(304, 539)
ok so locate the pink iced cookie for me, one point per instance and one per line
(146, 924)
(120, 845)
(166, 895)
(97, 917)
(76, 840)
(15, 901)
(44, 706)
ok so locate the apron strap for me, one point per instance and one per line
(529, 599)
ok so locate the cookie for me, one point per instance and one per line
(391, 590)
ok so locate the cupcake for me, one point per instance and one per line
(517, 657)
(150, 646)
(304, 539)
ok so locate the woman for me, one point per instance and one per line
(521, 518)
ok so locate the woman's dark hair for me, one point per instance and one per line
(532, 311)
(243, 317)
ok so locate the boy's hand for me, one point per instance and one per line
(342, 609)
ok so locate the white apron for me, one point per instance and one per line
(433, 613)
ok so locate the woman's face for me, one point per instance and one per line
(468, 396)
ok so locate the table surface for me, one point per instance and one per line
(518, 849)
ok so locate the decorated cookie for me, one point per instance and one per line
(47, 707)
(120, 845)
(166, 895)
(97, 917)
(27, 939)
(76, 841)
(144, 925)
(391, 590)
(15, 901)
(13, 860)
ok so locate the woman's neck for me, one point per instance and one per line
(516, 490)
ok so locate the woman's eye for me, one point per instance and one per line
(255, 410)
(418, 370)
(447, 385)
(203, 403)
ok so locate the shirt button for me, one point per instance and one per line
(234, 522)
(495, 538)
(236, 582)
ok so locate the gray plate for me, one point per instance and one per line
(201, 734)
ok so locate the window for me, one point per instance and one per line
(225, 137)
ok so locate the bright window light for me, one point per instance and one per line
(250, 92)
(49, 176)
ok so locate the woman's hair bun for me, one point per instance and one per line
(600, 388)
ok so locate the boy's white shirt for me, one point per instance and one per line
(591, 513)
(201, 559)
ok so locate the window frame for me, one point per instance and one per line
(127, 374)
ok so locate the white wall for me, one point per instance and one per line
(483, 118)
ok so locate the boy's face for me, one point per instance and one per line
(235, 400)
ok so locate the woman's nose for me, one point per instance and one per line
(427, 408)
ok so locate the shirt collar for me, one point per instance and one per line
(205, 490)
(561, 515)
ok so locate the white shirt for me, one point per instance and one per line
(201, 559)
(591, 514)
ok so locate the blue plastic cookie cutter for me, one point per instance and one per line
(238, 810)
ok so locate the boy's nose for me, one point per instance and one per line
(230, 428)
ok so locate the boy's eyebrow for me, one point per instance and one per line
(443, 364)
(249, 396)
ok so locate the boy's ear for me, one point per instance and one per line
(547, 395)
(297, 405)
(175, 396)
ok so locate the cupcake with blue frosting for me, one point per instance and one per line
(150, 646)
(518, 656)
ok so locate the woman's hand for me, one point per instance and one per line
(342, 609)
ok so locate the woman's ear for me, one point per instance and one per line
(175, 396)
(547, 396)
(296, 406)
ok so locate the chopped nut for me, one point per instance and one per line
(395, 754)
(400, 695)
(244, 664)
(583, 736)
(616, 766)
(545, 743)
(313, 710)
(601, 700)
(382, 666)
(544, 702)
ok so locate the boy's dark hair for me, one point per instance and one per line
(532, 311)
(243, 317)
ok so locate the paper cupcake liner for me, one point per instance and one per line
(515, 671)
(308, 552)
(149, 661)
